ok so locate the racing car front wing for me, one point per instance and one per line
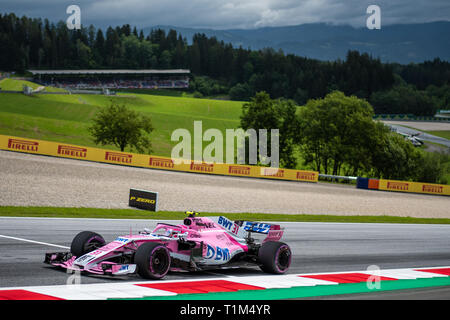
(66, 260)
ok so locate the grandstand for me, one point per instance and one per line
(113, 79)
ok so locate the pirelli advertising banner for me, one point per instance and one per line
(149, 161)
(415, 187)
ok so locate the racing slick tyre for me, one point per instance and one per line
(86, 241)
(152, 260)
(274, 257)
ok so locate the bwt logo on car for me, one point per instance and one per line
(218, 253)
(225, 223)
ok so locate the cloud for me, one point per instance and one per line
(231, 14)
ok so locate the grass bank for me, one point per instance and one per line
(17, 85)
(66, 118)
(440, 133)
(57, 212)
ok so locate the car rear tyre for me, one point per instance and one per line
(86, 241)
(152, 260)
(274, 257)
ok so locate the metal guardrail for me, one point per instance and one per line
(330, 176)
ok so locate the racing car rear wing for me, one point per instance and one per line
(240, 227)
(274, 231)
(258, 227)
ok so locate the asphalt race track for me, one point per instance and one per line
(317, 247)
(31, 180)
(421, 135)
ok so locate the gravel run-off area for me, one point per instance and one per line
(33, 180)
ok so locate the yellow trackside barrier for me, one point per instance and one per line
(415, 187)
(65, 150)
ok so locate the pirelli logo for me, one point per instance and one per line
(432, 188)
(23, 145)
(202, 167)
(118, 157)
(310, 176)
(239, 170)
(401, 186)
(273, 172)
(161, 162)
(72, 151)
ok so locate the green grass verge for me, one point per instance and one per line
(160, 92)
(17, 85)
(305, 292)
(66, 118)
(440, 133)
(58, 212)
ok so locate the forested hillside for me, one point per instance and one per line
(218, 68)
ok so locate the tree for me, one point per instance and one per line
(99, 47)
(335, 132)
(441, 95)
(131, 49)
(432, 168)
(240, 92)
(396, 158)
(35, 43)
(122, 127)
(83, 54)
(264, 113)
(301, 96)
(165, 59)
(403, 100)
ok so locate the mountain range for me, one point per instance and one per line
(402, 43)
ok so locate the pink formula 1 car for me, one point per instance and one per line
(197, 244)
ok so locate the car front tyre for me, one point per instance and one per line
(86, 241)
(152, 260)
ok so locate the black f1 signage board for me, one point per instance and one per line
(143, 199)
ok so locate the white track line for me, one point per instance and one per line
(33, 241)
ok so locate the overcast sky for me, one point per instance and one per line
(231, 14)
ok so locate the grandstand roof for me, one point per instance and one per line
(110, 71)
